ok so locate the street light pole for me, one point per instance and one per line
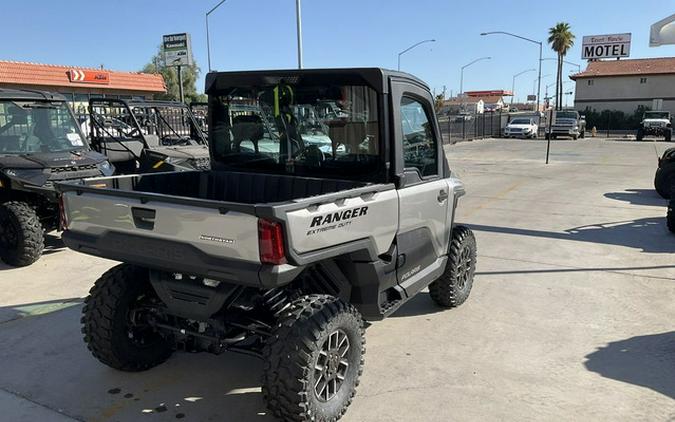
(208, 40)
(540, 52)
(513, 84)
(298, 19)
(461, 72)
(408, 49)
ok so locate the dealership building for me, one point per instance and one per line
(626, 84)
(78, 84)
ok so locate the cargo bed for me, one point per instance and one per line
(206, 222)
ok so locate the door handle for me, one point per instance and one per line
(442, 195)
(144, 218)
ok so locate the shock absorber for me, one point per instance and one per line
(276, 300)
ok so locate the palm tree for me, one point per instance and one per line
(561, 39)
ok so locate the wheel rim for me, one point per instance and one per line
(464, 268)
(9, 237)
(331, 367)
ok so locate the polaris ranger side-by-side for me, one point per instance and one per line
(40, 143)
(142, 136)
(280, 251)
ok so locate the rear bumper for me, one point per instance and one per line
(178, 257)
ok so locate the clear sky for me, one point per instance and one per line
(259, 34)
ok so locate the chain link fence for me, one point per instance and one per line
(462, 127)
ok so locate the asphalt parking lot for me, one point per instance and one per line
(571, 316)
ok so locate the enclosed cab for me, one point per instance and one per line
(142, 136)
(40, 144)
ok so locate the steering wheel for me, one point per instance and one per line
(312, 155)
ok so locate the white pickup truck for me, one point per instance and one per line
(279, 253)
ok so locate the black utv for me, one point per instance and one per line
(664, 180)
(40, 144)
(142, 136)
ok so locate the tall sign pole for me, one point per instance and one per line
(298, 18)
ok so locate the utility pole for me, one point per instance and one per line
(298, 18)
(180, 84)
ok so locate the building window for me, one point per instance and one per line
(590, 82)
(643, 80)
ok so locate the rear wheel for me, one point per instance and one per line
(313, 360)
(21, 234)
(670, 217)
(114, 321)
(453, 287)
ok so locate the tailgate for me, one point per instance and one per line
(171, 236)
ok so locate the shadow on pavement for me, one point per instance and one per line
(578, 270)
(420, 304)
(638, 197)
(647, 361)
(647, 234)
(13, 312)
(45, 360)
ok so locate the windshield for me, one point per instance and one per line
(657, 115)
(324, 131)
(520, 122)
(566, 115)
(28, 127)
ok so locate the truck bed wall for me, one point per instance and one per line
(245, 188)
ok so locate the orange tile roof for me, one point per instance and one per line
(35, 74)
(627, 67)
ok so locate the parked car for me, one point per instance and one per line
(521, 127)
(140, 136)
(40, 144)
(567, 123)
(279, 256)
(655, 123)
(664, 179)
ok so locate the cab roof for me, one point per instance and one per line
(30, 95)
(377, 78)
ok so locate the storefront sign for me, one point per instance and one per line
(89, 76)
(605, 46)
(177, 50)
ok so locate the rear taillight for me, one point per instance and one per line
(63, 220)
(271, 242)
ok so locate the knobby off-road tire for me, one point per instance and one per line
(664, 180)
(21, 234)
(670, 217)
(453, 287)
(313, 360)
(639, 135)
(107, 325)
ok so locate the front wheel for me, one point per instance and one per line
(313, 360)
(21, 234)
(114, 321)
(640, 135)
(453, 287)
(669, 135)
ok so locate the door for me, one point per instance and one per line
(423, 192)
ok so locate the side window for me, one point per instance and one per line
(419, 141)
